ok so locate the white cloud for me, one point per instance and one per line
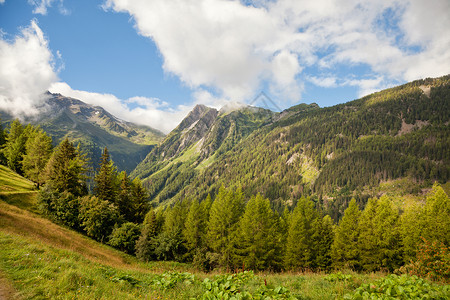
(236, 49)
(2, 1)
(41, 6)
(146, 111)
(26, 71)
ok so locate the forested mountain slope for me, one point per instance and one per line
(330, 153)
(95, 129)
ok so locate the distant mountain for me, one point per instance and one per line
(94, 128)
(331, 154)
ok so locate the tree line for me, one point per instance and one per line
(234, 232)
(228, 230)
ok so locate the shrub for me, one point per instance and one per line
(124, 237)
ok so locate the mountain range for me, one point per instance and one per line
(94, 128)
(331, 154)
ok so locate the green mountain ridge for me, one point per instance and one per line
(92, 126)
(332, 153)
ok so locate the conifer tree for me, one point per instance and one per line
(15, 146)
(194, 228)
(66, 168)
(224, 215)
(139, 198)
(105, 179)
(257, 236)
(124, 197)
(145, 245)
(300, 248)
(38, 150)
(345, 250)
(436, 216)
(380, 235)
(323, 240)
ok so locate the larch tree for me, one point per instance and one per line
(257, 236)
(38, 151)
(224, 215)
(345, 251)
(15, 146)
(300, 248)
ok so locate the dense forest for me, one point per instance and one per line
(229, 228)
(331, 154)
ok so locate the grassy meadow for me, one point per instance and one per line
(42, 260)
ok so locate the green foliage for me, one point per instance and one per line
(62, 207)
(124, 237)
(300, 248)
(15, 146)
(379, 236)
(38, 150)
(144, 245)
(345, 248)
(338, 277)
(168, 280)
(98, 217)
(257, 238)
(105, 179)
(66, 169)
(400, 287)
(223, 218)
(433, 262)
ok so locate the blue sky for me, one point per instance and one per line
(150, 62)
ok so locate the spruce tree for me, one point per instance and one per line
(65, 170)
(106, 179)
(124, 197)
(139, 196)
(345, 251)
(145, 244)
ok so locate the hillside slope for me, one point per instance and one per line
(63, 117)
(331, 153)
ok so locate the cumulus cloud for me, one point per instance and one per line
(140, 110)
(237, 49)
(26, 71)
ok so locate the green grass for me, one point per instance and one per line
(11, 182)
(40, 271)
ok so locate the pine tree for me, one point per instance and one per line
(345, 250)
(257, 236)
(105, 179)
(38, 150)
(300, 248)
